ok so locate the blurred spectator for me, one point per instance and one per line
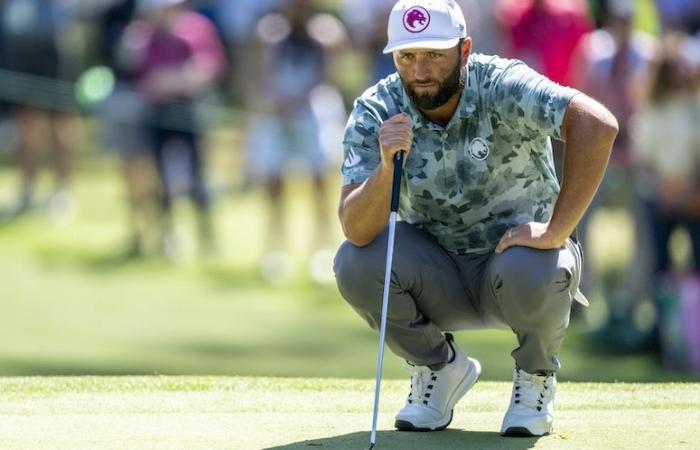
(668, 154)
(29, 31)
(544, 33)
(210, 10)
(613, 64)
(670, 183)
(484, 27)
(679, 15)
(366, 21)
(176, 56)
(236, 21)
(294, 111)
(123, 116)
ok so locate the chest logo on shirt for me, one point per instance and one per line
(479, 149)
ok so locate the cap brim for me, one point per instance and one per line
(435, 44)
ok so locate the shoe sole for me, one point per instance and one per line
(462, 389)
(404, 425)
(521, 432)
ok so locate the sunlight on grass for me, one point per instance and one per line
(72, 305)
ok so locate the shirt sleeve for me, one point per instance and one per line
(361, 153)
(530, 101)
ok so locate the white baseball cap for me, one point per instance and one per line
(436, 24)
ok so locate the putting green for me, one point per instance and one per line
(289, 414)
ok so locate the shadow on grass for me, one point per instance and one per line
(397, 440)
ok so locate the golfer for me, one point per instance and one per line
(485, 237)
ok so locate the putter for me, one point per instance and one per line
(395, 190)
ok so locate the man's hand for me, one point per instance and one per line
(395, 135)
(533, 235)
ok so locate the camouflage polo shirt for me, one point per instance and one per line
(489, 169)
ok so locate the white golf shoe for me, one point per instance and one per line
(531, 408)
(434, 393)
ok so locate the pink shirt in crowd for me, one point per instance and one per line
(192, 39)
(544, 33)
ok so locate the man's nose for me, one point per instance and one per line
(422, 70)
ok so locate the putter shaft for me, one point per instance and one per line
(395, 190)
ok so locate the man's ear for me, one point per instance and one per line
(466, 49)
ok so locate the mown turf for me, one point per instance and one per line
(294, 414)
(72, 306)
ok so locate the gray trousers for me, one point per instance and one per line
(433, 291)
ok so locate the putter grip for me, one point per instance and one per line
(396, 184)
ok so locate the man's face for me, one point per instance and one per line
(430, 77)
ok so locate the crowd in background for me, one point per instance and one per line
(290, 69)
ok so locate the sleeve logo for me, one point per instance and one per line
(352, 159)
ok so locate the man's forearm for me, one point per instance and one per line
(588, 145)
(364, 211)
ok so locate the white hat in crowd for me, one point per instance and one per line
(436, 24)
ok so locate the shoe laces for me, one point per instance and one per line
(531, 390)
(423, 380)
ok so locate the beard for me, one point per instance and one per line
(446, 88)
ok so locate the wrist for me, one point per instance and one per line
(556, 235)
(385, 170)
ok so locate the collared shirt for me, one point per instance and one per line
(489, 169)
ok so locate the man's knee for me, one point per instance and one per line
(527, 271)
(531, 285)
(355, 265)
(357, 269)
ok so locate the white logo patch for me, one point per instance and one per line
(479, 149)
(352, 160)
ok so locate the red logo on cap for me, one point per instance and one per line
(416, 19)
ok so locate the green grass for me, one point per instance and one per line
(71, 306)
(295, 414)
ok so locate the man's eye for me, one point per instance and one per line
(407, 57)
(434, 55)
